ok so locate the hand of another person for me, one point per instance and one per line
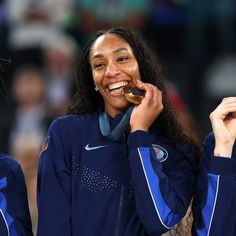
(148, 110)
(223, 121)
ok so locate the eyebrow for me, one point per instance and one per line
(115, 51)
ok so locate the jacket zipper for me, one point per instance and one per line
(121, 202)
(117, 231)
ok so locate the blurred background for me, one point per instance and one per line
(195, 40)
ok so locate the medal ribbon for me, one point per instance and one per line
(117, 133)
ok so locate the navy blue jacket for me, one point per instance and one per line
(215, 196)
(14, 211)
(89, 185)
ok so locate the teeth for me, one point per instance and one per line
(117, 85)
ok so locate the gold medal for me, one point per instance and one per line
(133, 94)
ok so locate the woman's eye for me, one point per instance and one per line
(98, 65)
(122, 59)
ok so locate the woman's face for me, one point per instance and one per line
(113, 66)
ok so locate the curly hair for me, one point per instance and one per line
(87, 100)
(3, 63)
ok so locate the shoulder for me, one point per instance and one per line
(70, 129)
(75, 119)
(72, 121)
(8, 162)
(9, 167)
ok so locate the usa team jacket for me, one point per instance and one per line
(214, 205)
(89, 185)
(14, 211)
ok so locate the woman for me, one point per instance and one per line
(214, 203)
(102, 173)
(14, 211)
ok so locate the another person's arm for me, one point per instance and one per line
(15, 216)
(215, 196)
(223, 121)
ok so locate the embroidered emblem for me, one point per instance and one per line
(90, 148)
(161, 153)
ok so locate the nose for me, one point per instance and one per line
(111, 70)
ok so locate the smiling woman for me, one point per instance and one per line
(113, 67)
(116, 168)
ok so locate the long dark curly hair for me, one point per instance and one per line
(87, 100)
(3, 64)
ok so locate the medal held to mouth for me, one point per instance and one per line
(133, 94)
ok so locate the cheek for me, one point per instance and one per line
(134, 70)
(96, 78)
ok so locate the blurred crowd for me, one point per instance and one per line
(195, 40)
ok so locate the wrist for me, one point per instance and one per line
(223, 150)
(138, 127)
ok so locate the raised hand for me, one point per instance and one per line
(151, 106)
(223, 121)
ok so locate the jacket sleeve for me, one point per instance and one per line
(14, 203)
(53, 186)
(214, 194)
(163, 182)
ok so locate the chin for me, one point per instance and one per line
(124, 107)
(115, 110)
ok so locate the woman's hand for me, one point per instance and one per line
(223, 121)
(148, 110)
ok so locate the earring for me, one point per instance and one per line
(96, 89)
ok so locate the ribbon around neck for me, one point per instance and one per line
(117, 133)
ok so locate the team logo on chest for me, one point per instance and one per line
(160, 152)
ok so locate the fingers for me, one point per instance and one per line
(229, 102)
(229, 99)
(223, 119)
(157, 99)
(228, 105)
(148, 110)
(152, 94)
